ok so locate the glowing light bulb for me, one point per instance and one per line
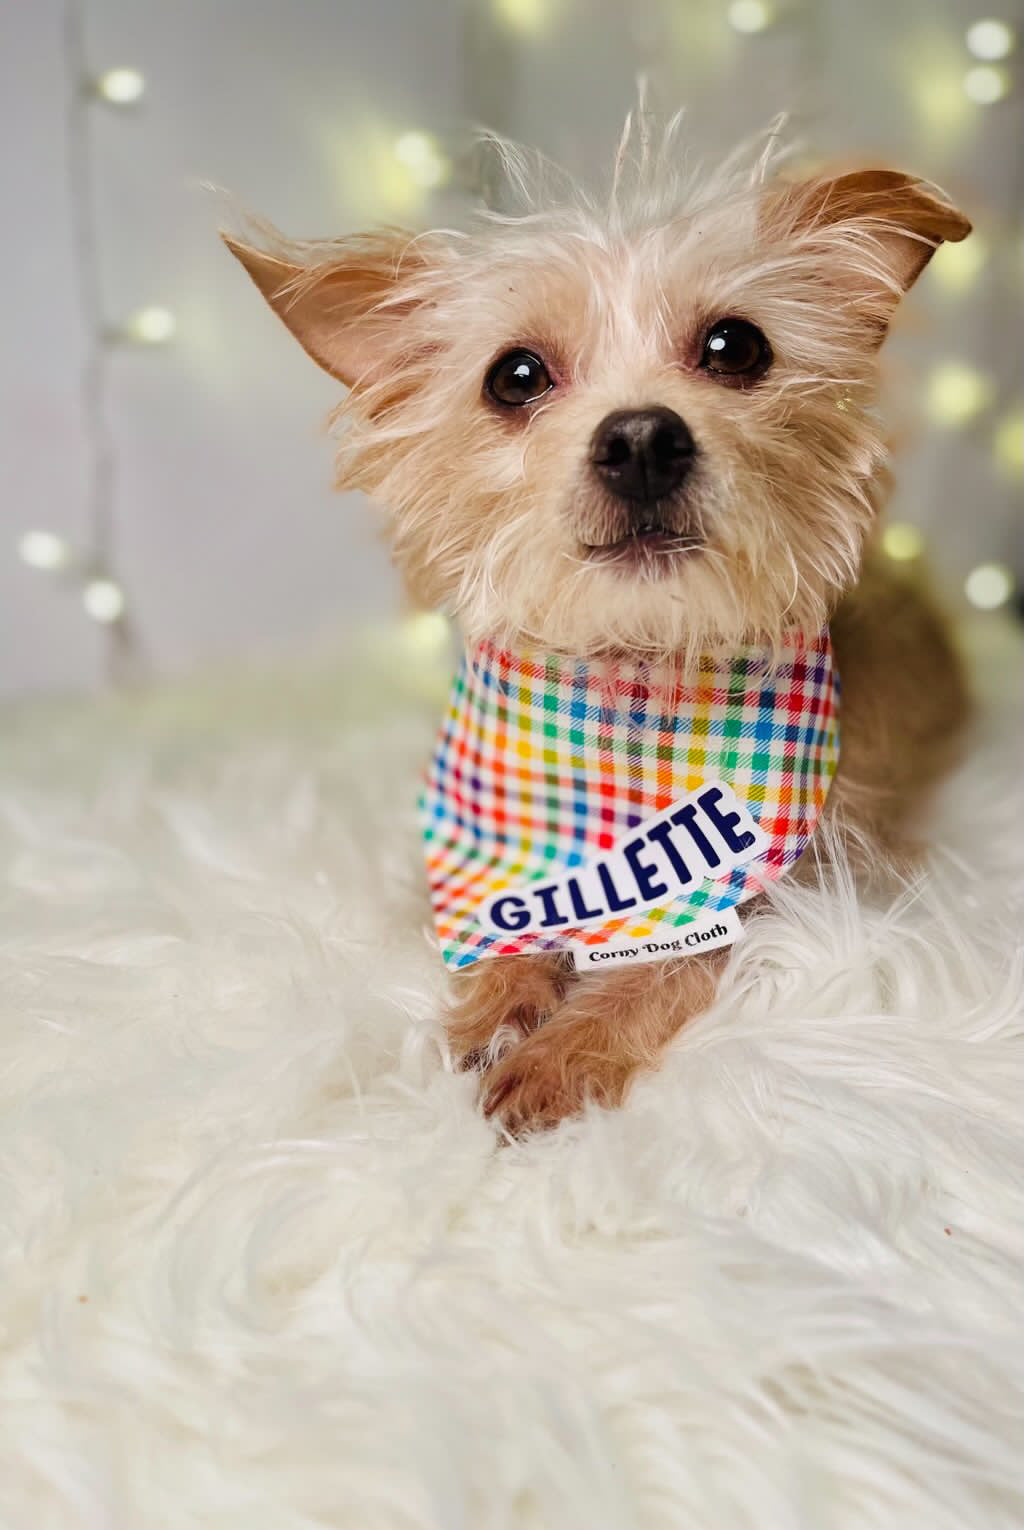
(151, 326)
(954, 266)
(986, 83)
(526, 16)
(1008, 443)
(989, 586)
(956, 393)
(43, 549)
(748, 15)
(902, 542)
(121, 87)
(990, 39)
(419, 153)
(103, 600)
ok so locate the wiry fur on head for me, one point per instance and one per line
(490, 509)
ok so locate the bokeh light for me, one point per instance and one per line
(990, 39)
(748, 15)
(937, 90)
(902, 542)
(1008, 443)
(954, 267)
(986, 84)
(151, 325)
(529, 17)
(121, 87)
(989, 586)
(426, 632)
(420, 155)
(103, 600)
(43, 549)
(955, 393)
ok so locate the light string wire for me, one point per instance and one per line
(122, 649)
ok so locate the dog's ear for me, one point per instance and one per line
(341, 300)
(893, 223)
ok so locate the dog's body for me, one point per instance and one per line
(648, 432)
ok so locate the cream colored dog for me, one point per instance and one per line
(734, 325)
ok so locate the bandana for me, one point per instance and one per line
(585, 804)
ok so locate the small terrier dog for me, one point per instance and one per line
(643, 428)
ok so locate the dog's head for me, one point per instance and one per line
(644, 430)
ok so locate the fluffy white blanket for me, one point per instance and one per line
(264, 1266)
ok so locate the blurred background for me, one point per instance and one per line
(167, 499)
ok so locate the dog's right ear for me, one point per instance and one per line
(342, 299)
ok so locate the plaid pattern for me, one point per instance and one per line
(544, 762)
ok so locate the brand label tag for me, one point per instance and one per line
(685, 940)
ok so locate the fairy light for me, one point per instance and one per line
(985, 84)
(954, 267)
(902, 542)
(420, 155)
(529, 17)
(989, 586)
(748, 15)
(151, 325)
(43, 550)
(990, 39)
(103, 600)
(121, 87)
(88, 569)
(955, 393)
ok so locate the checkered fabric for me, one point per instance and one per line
(544, 762)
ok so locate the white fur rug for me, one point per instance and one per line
(264, 1267)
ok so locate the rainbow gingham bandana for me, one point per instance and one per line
(594, 801)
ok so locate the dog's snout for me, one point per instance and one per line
(642, 454)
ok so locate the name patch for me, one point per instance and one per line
(701, 837)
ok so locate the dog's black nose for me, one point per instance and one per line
(642, 454)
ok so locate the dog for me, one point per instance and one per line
(640, 430)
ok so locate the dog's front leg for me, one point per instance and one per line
(606, 1028)
(500, 1000)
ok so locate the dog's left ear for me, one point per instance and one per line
(344, 300)
(884, 226)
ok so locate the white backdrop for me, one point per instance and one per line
(226, 537)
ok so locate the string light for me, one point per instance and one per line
(748, 15)
(902, 542)
(43, 550)
(526, 16)
(954, 266)
(990, 39)
(989, 586)
(151, 325)
(121, 87)
(956, 393)
(88, 569)
(986, 84)
(103, 600)
(419, 153)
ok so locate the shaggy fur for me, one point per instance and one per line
(265, 1266)
(498, 514)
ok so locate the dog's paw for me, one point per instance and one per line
(550, 1075)
(501, 1001)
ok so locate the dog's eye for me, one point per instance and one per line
(518, 377)
(735, 348)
